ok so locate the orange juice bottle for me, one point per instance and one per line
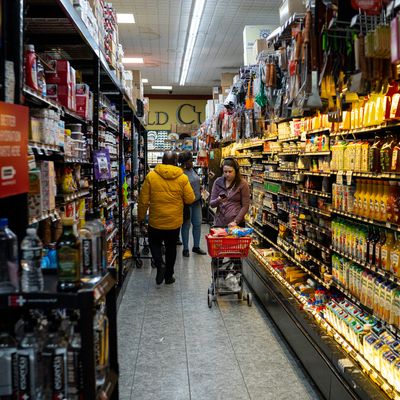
(391, 201)
(370, 193)
(386, 249)
(383, 216)
(378, 188)
(395, 258)
(378, 248)
(357, 200)
(362, 205)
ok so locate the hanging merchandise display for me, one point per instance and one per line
(314, 127)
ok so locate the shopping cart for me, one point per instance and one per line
(227, 277)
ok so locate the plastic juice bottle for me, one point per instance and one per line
(386, 153)
(369, 202)
(357, 201)
(396, 206)
(396, 309)
(378, 281)
(395, 257)
(374, 199)
(378, 248)
(358, 156)
(379, 187)
(391, 200)
(395, 163)
(386, 250)
(374, 160)
(364, 156)
(384, 201)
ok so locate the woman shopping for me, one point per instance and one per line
(193, 211)
(230, 195)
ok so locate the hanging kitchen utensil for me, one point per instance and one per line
(314, 100)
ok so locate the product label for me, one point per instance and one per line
(384, 260)
(33, 253)
(24, 383)
(68, 263)
(7, 371)
(58, 376)
(395, 155)
(86, 256)
(394, 265)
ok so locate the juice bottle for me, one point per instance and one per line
(378, 247)
(370, 194)
(371, 245)
(358, 156)
(357, 200)
(377, 200)
(391, 200)
(384, 201)
(386, 250)
(395, 258)
(395, 163)
(374, 160)
(365, 198)
(387, 152)
(364, 156)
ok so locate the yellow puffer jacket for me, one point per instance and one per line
(164, 191)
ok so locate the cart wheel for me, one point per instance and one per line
(145, 251)
(209, 300)
(240, 294)
(153, 264)
(249, 299)
(139, 263)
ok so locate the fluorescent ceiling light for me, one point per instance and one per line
(162, 87)
(194, 28)
(132, 60)
(145, 80)
(125, 18)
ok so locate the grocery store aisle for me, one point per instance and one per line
(173, 347)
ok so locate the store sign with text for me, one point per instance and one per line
(163, 113)
(14, 128)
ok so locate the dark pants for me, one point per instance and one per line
(156, 239)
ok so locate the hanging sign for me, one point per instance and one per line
(14, 127)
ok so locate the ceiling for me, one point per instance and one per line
(159, 36)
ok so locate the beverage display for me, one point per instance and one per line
(8, 258)
(31, 259)
(8, 364)
(68, 253)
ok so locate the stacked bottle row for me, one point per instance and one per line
(41, 357)
(369, 245)
(376, 293)
(380, 348)
(383, 155)
(76, 257)
(369, 198)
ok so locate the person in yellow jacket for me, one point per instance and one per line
(164, 192)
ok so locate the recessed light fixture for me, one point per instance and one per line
(145, 80)
(125, 18)
(194, 28)
(162, 87)
(132, 60)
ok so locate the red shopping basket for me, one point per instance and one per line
(228, 246)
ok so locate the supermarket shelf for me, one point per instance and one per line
(289, 139)
(113, 260)
(386, 274)
(371, 175)
(281, 180)
(288, 195)
(314, 341)
(269, 152)
(317, 228)
(271, 225)
(272, 138)
(289, 169)
(286, 210)
(67, 198)
(270, 162)
(75, 160)
(257, 156)
(250, 145)
(44, 149)
(316, 153)
(53, 214)
(112, 205)
(314, 131)
(288, 153)
(387, 225)
(316, 193)
(34, 96)
(244, 173)
(315, 210)
(261, 181)
(311, 173)
(355, 300)
(270, 211)
(243, 156)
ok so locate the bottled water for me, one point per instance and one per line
(31, 258)
(30, 383)
(8, 364)
(8, 258)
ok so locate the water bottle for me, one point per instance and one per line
(31, 258)
(8, 258)
(8, 364)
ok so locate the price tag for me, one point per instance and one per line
(339, 178)
(349, 176)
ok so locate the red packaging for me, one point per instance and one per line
(82, 100)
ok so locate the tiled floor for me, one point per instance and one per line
(173, 347)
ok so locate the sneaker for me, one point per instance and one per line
(198, 250)
(179, 242)
(185, 253)
(160, 274)
(169, 281)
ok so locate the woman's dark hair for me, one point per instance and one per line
(184, 157)
(231, 162)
